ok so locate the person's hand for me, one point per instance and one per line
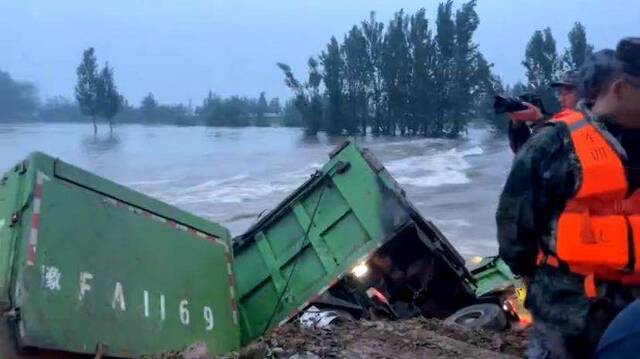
(531, 114)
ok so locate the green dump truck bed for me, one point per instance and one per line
(340, 217)
(89, 266)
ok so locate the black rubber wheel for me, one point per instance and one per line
(486, 316)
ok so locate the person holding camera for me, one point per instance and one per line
(569, 214)
(567, 90)
(524, 123)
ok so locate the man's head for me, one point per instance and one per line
(611, 83)
(567, 90)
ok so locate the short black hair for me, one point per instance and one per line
(628, 52)
(605, 66)
(599, 71)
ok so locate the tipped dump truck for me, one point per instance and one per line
(88, 266)
(91, 267)
(347, 239)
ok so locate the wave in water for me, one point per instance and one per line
(434, 169)
(452, 223)
(148, 182)
(236, 189)
(428, 170)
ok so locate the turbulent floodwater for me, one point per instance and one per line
(233, 175)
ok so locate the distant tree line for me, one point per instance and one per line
(97, 96)
(543, 65)
(18, 100)
(408, 78)
(238, 111)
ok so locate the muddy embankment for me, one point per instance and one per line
(407, 339)
(415, 338)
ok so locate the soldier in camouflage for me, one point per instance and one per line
(524, 123)
(543, 178)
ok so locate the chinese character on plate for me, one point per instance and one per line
(51, 278)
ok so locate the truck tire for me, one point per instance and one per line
(485, 315)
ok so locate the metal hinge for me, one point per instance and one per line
(21, 168)
(342, 167)
(15, 217)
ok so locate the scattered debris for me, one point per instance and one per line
(197, 350)
(414, 338)
(315, 318)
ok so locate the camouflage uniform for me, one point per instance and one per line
(542, 179)
(519, 133)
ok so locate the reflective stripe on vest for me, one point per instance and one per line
(597, 231)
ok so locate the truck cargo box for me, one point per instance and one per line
(88, 266)
(348, 212)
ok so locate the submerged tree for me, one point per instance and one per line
(579, 49)
(87, 86)
(543, 66)
(291, 116)
(261, 108)
(274, 106)
(307, 95)
(466, 71)
(444, 77)
(407, 80)
(149, 107)
(358, 71)
(396, 73)
(333, 82)
(96, 91)
(422, 92)
(373, 31)
(109, 101)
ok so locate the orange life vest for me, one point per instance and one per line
(598, 233)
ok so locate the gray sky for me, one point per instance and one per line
(181, 49)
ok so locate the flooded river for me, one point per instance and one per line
(233, 175)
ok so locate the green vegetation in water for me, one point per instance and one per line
(410, 77)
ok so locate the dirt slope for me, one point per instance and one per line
(415, 338)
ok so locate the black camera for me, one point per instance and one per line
(507, 104)
(514, 104)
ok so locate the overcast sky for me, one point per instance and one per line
(180, 49)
